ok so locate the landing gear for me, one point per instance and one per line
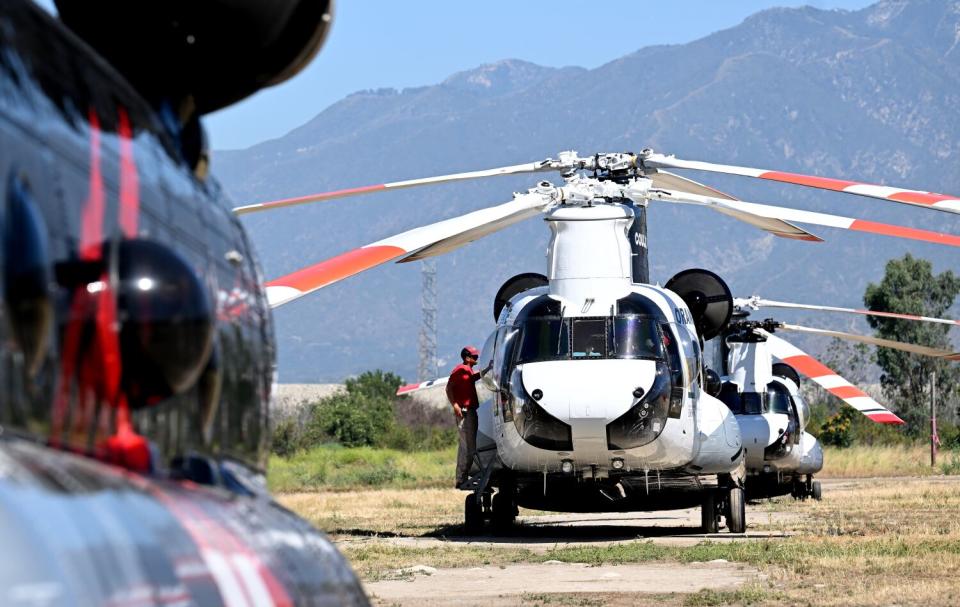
(735, 511)
(504, 511)
(709, 518)
(472, 513)
(802, 489)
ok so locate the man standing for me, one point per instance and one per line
(462, 394)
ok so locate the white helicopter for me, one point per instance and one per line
(781, 456)
(597, 375)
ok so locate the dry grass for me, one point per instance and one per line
(861, 462)
(386, 512)
(882, 542)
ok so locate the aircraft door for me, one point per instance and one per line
(506, 339)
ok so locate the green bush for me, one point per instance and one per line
(835, 431)
(368, 414)
(286, 438)
(353, 420)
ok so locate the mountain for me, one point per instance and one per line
(870, 95)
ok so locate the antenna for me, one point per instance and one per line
(427, 342)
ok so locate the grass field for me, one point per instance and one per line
(335, 468)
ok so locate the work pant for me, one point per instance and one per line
(467, 427)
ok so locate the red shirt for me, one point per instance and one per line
(462, 387)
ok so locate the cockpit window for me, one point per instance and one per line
(544, 339)
(636, 337)
(599, 337)
(589, 337)
(779, 398)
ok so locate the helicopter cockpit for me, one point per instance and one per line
(596, 337)
(635, 331)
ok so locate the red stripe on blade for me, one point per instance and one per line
(873, 227)
(407, 388)
(325, 195)
(337, 268)
(809, 366)
(808, 180)
(846, 392)
(919, 197)
(885, 418)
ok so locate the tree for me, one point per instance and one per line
(910, 287)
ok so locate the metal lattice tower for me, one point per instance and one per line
(427, 343)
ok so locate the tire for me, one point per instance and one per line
(504, 511)
(816, 491)
(472, 514)
(708, 512)
(736, 511)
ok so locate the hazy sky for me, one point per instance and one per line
(379, 43)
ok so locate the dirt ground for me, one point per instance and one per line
(555, 582)
(525, 583)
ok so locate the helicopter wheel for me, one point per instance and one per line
(708, 512)
(504, 510)
(736, 511)
(472, 514)
(799, 491)
(816, 491)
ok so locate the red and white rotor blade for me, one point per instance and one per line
(433, 239)
(774, 225)
(930, 200)
(530, 167)
(877, 341)
(759, 302)
(829, 379)
(424, 385)
(821, 219)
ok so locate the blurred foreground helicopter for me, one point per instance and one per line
(597, 383)
(137, 350)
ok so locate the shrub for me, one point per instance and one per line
(353, 420)
(286, 438)
(835, 431)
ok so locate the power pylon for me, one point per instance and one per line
(427, 343)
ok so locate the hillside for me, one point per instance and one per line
(869, 95)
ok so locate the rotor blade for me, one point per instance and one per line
(829, 379)
(532, 167)
(758, 302)
(877, 341)
(665, 180)
(930, 200)
(833, 221)
(454, 232)
(774, 225)
(424, 385)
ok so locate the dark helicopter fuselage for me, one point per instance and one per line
(136, 354)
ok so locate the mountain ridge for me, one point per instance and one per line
(848, 94)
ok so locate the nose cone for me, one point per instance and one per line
(588, 389)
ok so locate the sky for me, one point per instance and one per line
(376, 44)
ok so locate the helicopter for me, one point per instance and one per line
(570, 425)
(782, 457)
(137, 348)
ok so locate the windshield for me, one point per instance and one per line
(779, 398)
(594, 338)
(544, 339)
